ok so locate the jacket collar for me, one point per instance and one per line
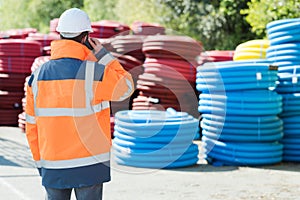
(70, 49)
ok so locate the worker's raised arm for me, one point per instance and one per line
(116, 84)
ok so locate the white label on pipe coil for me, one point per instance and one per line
(295, 78)
(258, 76)
(153, 100)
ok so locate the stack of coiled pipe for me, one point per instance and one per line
(16, 57)
(253, 49)
(240, 123)
(128, 50)
(215, 56)
(169, 74)
(155, 139)
(109, 28)
(284, 51)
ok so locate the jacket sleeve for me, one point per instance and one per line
(31, 126)
(117, 83)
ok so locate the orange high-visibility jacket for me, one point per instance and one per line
(68, 114)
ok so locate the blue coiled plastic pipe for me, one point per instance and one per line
(237, 75)
(240, 123)
(284, 36)
(283, 31)
(291, 140)
(155, 139)
(230, 153)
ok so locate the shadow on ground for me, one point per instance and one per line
(15, 154)
(205, 168)
(284, 166)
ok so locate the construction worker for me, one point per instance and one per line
(68, 113)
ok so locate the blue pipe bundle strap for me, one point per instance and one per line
(155, 139)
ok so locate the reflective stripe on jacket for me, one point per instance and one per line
(68, 115)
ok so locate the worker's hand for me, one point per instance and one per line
(96, 44)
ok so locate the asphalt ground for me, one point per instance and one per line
(19, 180)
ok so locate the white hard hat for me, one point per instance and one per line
(72, 22)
